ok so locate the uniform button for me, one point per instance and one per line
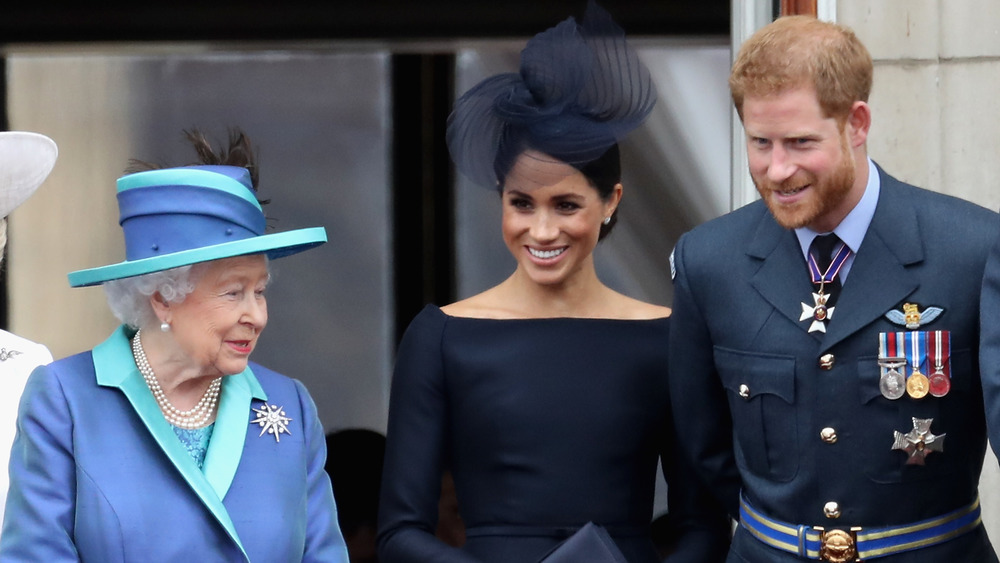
(826, 362)
(828, 435)
(831, 509)
(744, 391)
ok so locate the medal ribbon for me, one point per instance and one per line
(839, 258)
(916, 342)
(883, 350)
(887, 345)
(941, 342)
(890, 349)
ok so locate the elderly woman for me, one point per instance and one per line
(25, 161)
(164, 443)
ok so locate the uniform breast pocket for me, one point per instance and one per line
(880, 418)
(761, 392)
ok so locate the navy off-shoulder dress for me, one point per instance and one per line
(546, 424)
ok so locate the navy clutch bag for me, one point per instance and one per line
(589, 544)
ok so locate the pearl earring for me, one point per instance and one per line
(165, 326)
(607, 220)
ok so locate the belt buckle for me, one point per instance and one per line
(838, 546)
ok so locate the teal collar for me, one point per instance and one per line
(115, 367)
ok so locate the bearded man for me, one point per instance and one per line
(826, 337)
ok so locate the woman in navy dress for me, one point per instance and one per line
(546, 395)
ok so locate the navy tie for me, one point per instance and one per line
(822, 249)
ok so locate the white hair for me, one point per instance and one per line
(129, 297)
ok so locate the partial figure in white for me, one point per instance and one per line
(25, 161)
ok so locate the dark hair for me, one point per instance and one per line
(603, 174)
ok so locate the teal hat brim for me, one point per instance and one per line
(275, 245)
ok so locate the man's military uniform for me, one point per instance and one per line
(830, 433)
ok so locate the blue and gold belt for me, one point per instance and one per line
(856, 543)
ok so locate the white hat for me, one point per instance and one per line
(25, 161)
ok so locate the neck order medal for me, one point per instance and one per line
(821, 312)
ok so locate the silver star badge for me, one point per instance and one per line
(819, 312)
(918, 442)
(272, 420)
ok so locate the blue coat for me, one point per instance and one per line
(97, 474)
(752, 395)
(990, 345)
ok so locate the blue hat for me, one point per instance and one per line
(180, 216)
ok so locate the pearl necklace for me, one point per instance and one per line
(198, 416)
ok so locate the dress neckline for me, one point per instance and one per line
(543, 319)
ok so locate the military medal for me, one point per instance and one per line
(819, 312)
(892, 384)
(939, 344)
(919, 442)
(938, 384)
(917, 384)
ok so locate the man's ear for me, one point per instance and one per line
(859, 122)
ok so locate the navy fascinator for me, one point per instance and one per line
(580, 89)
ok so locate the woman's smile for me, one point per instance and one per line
(547, 254)
(241, 346)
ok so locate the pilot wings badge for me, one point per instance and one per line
(912, 317)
